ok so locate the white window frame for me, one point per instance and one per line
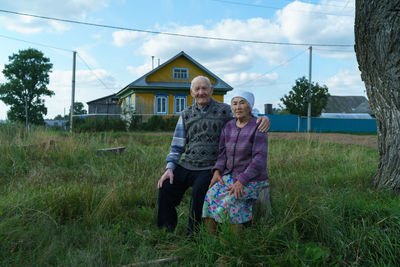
(180, 73)
(179, 98)
(161, 96)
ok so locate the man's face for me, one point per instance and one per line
(201, 92)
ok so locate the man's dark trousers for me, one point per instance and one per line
(170, 195)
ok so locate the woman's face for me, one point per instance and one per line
(240, 108)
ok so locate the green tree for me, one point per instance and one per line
(296, 102)
(27, 77)
(60, 117)
(79, 108)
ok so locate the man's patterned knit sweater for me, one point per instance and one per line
(202, 131)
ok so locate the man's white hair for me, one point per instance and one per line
(198, 78)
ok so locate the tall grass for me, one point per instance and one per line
(65, 205)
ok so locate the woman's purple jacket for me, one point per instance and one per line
(243, 152)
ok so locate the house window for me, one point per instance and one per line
(181, 73)
(129, 104)
(161, 104)
(180, 103)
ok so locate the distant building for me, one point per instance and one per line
(105, 106)
(347, 104)
(59, 124)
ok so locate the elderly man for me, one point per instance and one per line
(197, 135)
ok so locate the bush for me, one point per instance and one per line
(92, 124)
(155, 123)
(135, 123)
(171, 123)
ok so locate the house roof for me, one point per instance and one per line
(141, 83)
(347, 104)
(99, 99)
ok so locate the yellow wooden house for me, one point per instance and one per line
(166, 89)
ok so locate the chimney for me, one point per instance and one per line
(152, 62)
(158, 62)
(268, 108)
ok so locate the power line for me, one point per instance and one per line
(20, 40)
(63, 49)
(334, 50)
(168, 33)
(274, 68)
(277, 8)
(346, 4)
(97, 77)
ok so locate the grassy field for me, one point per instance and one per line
(67, 206)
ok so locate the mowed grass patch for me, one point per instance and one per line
(66, 205)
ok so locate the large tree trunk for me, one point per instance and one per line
(377, 38)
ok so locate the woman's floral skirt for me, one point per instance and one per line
(222, 207)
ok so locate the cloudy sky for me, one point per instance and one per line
(110, 58)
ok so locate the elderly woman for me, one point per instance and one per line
(241, 168)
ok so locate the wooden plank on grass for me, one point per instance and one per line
(113, 150)
(154, 262)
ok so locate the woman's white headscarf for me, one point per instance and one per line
(249, 97)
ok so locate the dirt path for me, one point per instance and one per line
(366, 140)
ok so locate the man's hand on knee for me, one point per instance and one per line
(168, 174)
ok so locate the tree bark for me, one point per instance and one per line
(377, 46)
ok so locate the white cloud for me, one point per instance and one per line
(240, 80)
(309, 23)
(219, 56)
(235, 62)
(85, 57)
(222, 57)
(87, 87)
(26, 25)
(258, 85)
(137, 72)
(346, 82)
(123, 38)
(77, 9)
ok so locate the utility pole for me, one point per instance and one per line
(26, 110)
(107, 103)
(73, 92)
(309, 93)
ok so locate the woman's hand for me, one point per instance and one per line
(216, 178)
(236, 189)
